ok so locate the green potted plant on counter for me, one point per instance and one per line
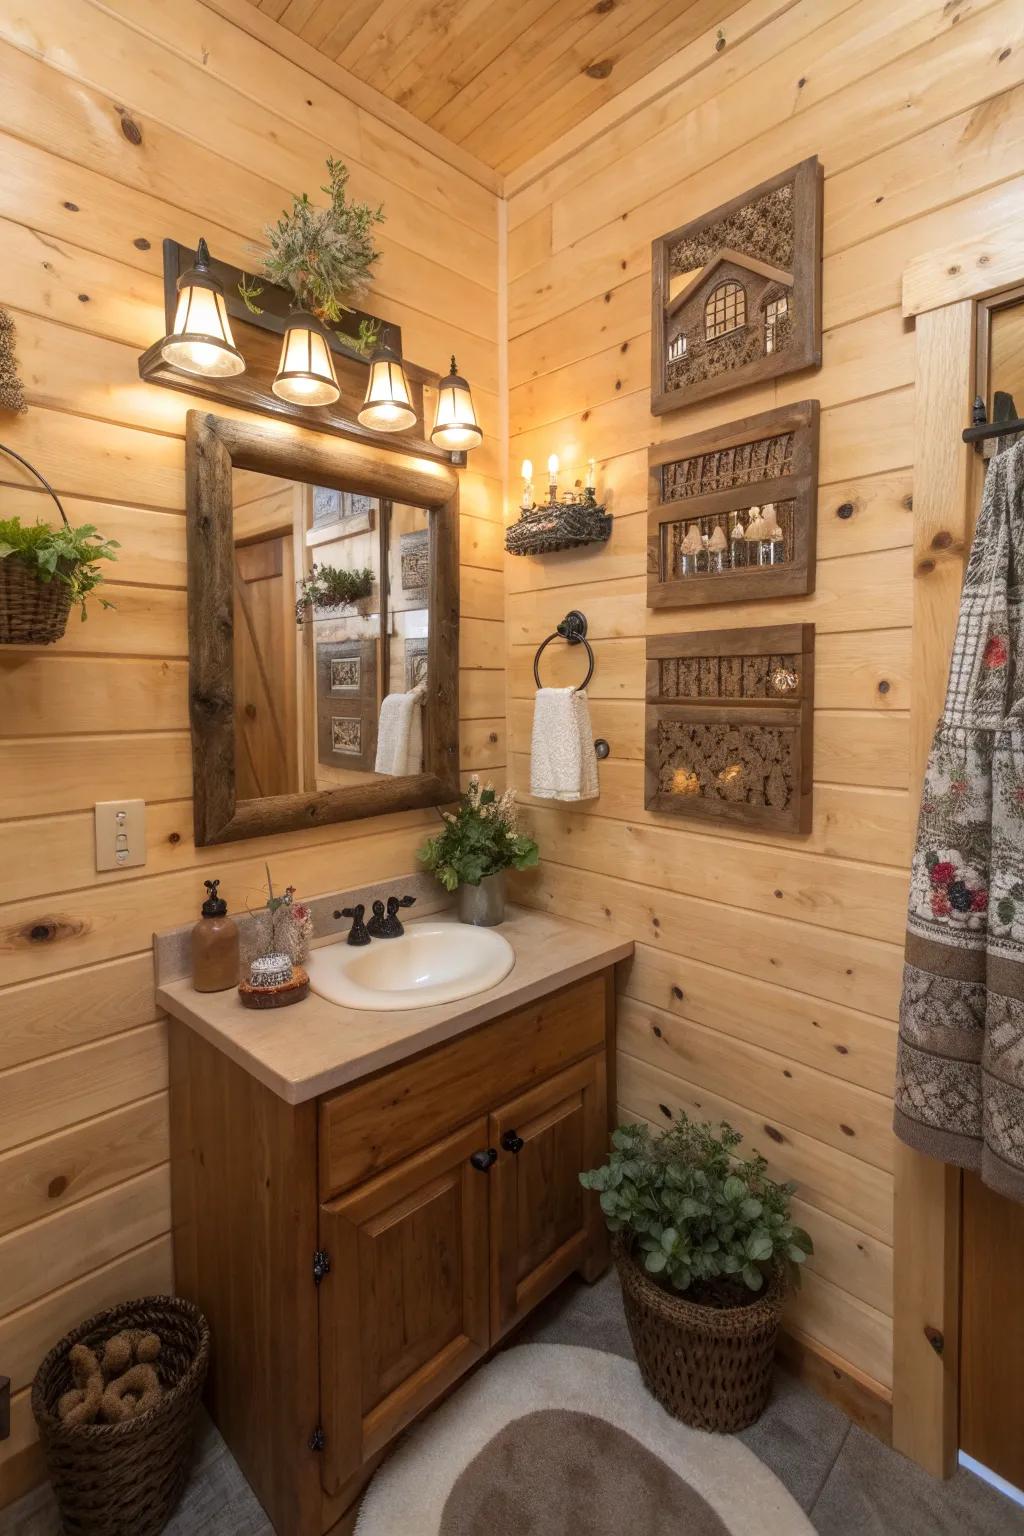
(707, 1251)
(478, 843)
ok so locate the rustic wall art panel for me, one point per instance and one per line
(733, 511)
(729, 725)
(737, 292)
(347, 704)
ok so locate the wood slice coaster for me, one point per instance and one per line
(276, 997)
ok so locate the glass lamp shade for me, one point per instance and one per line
(455, 423)
(305, 374)
(387, 406)
(201, 340)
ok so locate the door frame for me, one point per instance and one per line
(941, 293)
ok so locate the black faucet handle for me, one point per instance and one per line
(407, 901)
(358, 933)
(376, 927)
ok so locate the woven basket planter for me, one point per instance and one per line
(32, 612)
(711, 1367)
(125, 1479)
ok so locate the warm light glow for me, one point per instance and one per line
(201, 340)
(730, 774)
(527, 471)
(591, 474)
(305, 374)
(553, 466)
(685, 782)
(455, 424)
(388, 405)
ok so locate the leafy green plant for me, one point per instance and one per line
(67, 555)
(324, 255)
(479, 839)
(701, 1221)
(329, 587)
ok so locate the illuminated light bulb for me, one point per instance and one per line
(305, 374)
(455, 424)
(200, 340)
(388, 403)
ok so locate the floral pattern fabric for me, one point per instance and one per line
(960, 1068)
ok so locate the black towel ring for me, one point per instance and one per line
(573, 629)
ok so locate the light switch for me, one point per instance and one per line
(120, 834)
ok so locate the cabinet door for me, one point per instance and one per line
(544, 1224)
(404, 1309)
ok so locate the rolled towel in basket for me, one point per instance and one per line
(400, 733)
(563, 764)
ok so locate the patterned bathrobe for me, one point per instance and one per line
(960, 1069)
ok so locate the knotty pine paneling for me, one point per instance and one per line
(226, 130)
(767, 973)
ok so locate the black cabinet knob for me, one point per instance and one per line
(512, 1141)
(483, 1159)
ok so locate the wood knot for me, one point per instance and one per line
(935, 1338)
(884, 685)
(847, 1130)
(129, 127)
(719, 41)
(656, 1029)
(44, 930)
(942, 540)
(141, 243)
(174, 838)
(83, 298)
(925, 567)
(599, 71)
(844, 510)
(493, 737)
(678, 994)
(71, 207)
(57, 1186)
(775, 1135)
(665, 1111)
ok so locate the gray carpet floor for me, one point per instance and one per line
(848, 1483)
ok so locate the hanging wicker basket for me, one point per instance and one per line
(32, 612)
(711, 1367)
(564, 525)
(125, 1479)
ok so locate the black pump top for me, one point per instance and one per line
(214, 905)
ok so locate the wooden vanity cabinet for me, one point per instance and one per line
(357, 1254)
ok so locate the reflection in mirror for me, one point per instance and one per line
(331, 617)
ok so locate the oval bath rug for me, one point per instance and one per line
(558, 1440)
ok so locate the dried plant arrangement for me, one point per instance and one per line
(283, 927)
(12, 391)
(324, 256)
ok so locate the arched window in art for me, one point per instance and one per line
(725, 310)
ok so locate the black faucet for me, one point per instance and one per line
(388, 927)
(358, 933)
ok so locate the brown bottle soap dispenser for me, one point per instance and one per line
(214, 945)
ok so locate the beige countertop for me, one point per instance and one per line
(315, 1046)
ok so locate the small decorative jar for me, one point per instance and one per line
(483, 904)
(270, 971)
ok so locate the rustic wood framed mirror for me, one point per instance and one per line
(304, 713)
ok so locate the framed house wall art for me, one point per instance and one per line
(729, 726)
(732, 512)
(737, 292)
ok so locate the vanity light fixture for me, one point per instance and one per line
(387, 406)
(305, 374)
(201, 340)
(455, 423)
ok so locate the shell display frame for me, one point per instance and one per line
(705, 479)
(729, 726)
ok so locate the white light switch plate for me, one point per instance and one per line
(120, 833)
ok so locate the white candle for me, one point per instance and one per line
(591, 475)
(526, 499)
(553, 475)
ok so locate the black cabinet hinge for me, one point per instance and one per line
(321, 1265)
(317, 1439)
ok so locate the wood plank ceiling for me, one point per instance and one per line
(503, 78)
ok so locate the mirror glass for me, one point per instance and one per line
(331, 600)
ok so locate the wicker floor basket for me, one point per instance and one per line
(32, 612)
(710, 1367)
(125, 1479)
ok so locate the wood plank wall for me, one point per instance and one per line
(123, 123)
(767, 973)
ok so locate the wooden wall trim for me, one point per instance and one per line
(246, 16)
(926, 1281)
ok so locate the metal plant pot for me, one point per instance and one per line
(483, 904)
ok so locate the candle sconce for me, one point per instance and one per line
(567, 520)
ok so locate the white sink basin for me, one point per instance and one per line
(433, 962)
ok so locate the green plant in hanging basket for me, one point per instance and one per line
(323, 255)
(328, 587)
(67, 555)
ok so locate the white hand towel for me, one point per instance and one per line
(400, 733)
(563, 764)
